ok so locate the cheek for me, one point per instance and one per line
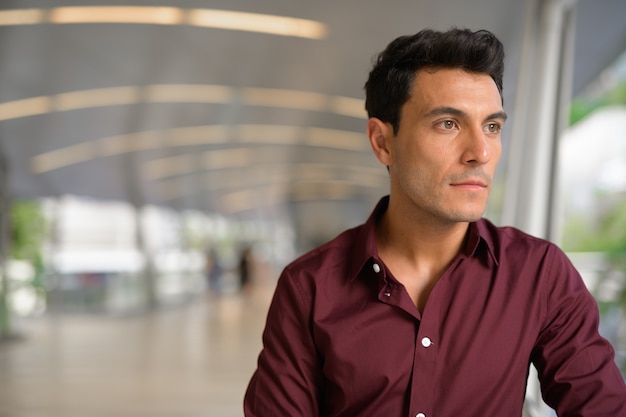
(426, 174)
(423, 161)
(496, 153)
(496, 147)
(436, 161)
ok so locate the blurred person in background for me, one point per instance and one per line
(428, 309)
(246, 262)
(213, 270)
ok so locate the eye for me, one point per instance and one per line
(447, 124)
(493, 128)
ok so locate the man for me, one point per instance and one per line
(427, 309)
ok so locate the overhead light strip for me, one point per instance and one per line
(182, 93)
(21, 17)
(315, 178)
(207, 18)
(260, 23)
(240, 156)
(117, 14)
(274, 194)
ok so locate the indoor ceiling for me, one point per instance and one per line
(180, 104)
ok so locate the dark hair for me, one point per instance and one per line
(391, 79)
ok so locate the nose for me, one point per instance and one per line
(477, 149)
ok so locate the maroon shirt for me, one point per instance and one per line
(343, 337)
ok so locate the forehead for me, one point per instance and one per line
(451, 84)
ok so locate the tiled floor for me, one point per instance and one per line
(186, 361)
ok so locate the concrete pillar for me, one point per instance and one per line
(543, 95)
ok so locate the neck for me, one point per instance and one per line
(417, 251)
(419, 240)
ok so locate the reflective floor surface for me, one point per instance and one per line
(190, 360)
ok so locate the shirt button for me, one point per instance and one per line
(426, 343)
(420, 415)
(376, 268)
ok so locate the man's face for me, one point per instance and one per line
(444, 156)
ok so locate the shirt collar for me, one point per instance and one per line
(480, 236)
(366, 251)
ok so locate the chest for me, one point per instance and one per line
(475, 331)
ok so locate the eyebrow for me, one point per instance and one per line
(446, 110)
(498, 115)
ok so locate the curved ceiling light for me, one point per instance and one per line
(288, 173)
(208, 18)
(18, 17)
(240, 201)
(239, 136)
(181, 93)
(262, 175)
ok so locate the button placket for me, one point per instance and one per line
(424, 382)
(377, 269)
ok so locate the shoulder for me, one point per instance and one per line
(331, 257)
(510, 243)
(534, 259)
(323, 270)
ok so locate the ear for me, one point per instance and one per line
(379, 134)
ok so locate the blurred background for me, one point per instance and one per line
(160, 162)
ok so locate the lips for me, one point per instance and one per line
(474, 178)
(476, 182)
(470, 183)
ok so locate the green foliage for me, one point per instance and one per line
(607, 234)
(28, 231)
(577, 235)
(583, 106)
(612, 235)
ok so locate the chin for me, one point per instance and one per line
(467, 216)
(465, 219)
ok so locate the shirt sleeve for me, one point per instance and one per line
(287, 380)
(576, 366)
